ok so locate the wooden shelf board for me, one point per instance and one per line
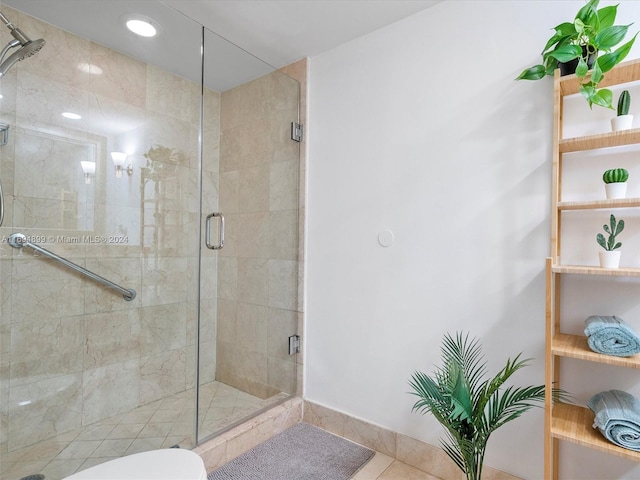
(592, 270)
(601, 140)
(624, 72)
(576, 346)
(599, 204)
(573, 423)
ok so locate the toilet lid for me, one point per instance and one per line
(164, 464)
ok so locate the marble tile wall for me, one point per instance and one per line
(421, 455)
(72, 352)
(258, 304)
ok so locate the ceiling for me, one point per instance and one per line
(275, 32)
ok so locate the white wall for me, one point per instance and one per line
(420, 128)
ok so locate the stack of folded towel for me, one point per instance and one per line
(617, 417)
(611, 336)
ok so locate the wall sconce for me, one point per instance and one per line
(118, 160)
(89, 169)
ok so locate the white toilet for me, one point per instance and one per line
(164, 464)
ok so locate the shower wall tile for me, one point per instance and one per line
(172, 95)
(227, 321)
(46, 348)
(281, 325)
(283, 284)
(210, 188)
(4, 401)
(211, 131)
(112, 337)
(122, 78)
(253, 189)
(39, 286)
(231, 235)
(283, 235)
(228, 278)
(252, 238)
(229, 192)
(253, 280)
(125, 272)
(283, 183)
(208, 321)
(162, 328)
(166, 280)
(41, 409)
(162, 374)
(41, 100)
(110, 390)
(61, 55)
(281, 374)
(207, 362)
(252, 327)
(209, 279)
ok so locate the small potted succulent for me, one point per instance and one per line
(622, 121)
(615, 183)
(610, 257)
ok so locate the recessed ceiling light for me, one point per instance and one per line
(141, 25)
(90, 68)
(71, 115)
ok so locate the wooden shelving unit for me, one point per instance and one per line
(564, 421)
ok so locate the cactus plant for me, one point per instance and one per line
(613, 229)
(615, 175)
(624, 101)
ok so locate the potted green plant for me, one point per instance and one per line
(610, 257)
(469, 406)
(615, 182)
(592, 34)
(623, 120)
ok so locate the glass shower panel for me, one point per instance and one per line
(85, 375)
(249, 288)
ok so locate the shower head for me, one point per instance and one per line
(27, 48)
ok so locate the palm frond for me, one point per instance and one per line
(512, 403)
(470, 407)
(467, 353)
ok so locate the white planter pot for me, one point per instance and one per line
(623, 122)
(609, 259)
(615, 190)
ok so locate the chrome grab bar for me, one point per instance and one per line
(207, 237)
(18, 240)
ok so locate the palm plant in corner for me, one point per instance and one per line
(469, 406)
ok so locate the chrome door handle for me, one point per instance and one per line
(207, 237)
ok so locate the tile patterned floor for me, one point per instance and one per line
(383, 467)
(161, 424)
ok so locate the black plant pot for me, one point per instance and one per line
(569, 68)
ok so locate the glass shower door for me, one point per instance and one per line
(249, 287)
(101, 168)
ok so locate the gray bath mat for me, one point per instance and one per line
(303, 452)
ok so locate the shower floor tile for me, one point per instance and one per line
(160, 424)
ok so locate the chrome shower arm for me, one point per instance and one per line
(6, 21)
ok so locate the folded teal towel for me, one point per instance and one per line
(611, 336)
(617, 417)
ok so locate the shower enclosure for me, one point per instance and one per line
(137, 169)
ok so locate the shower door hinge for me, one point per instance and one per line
(296, 132)
(294, 344)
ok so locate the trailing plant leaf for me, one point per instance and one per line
(591, 36)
